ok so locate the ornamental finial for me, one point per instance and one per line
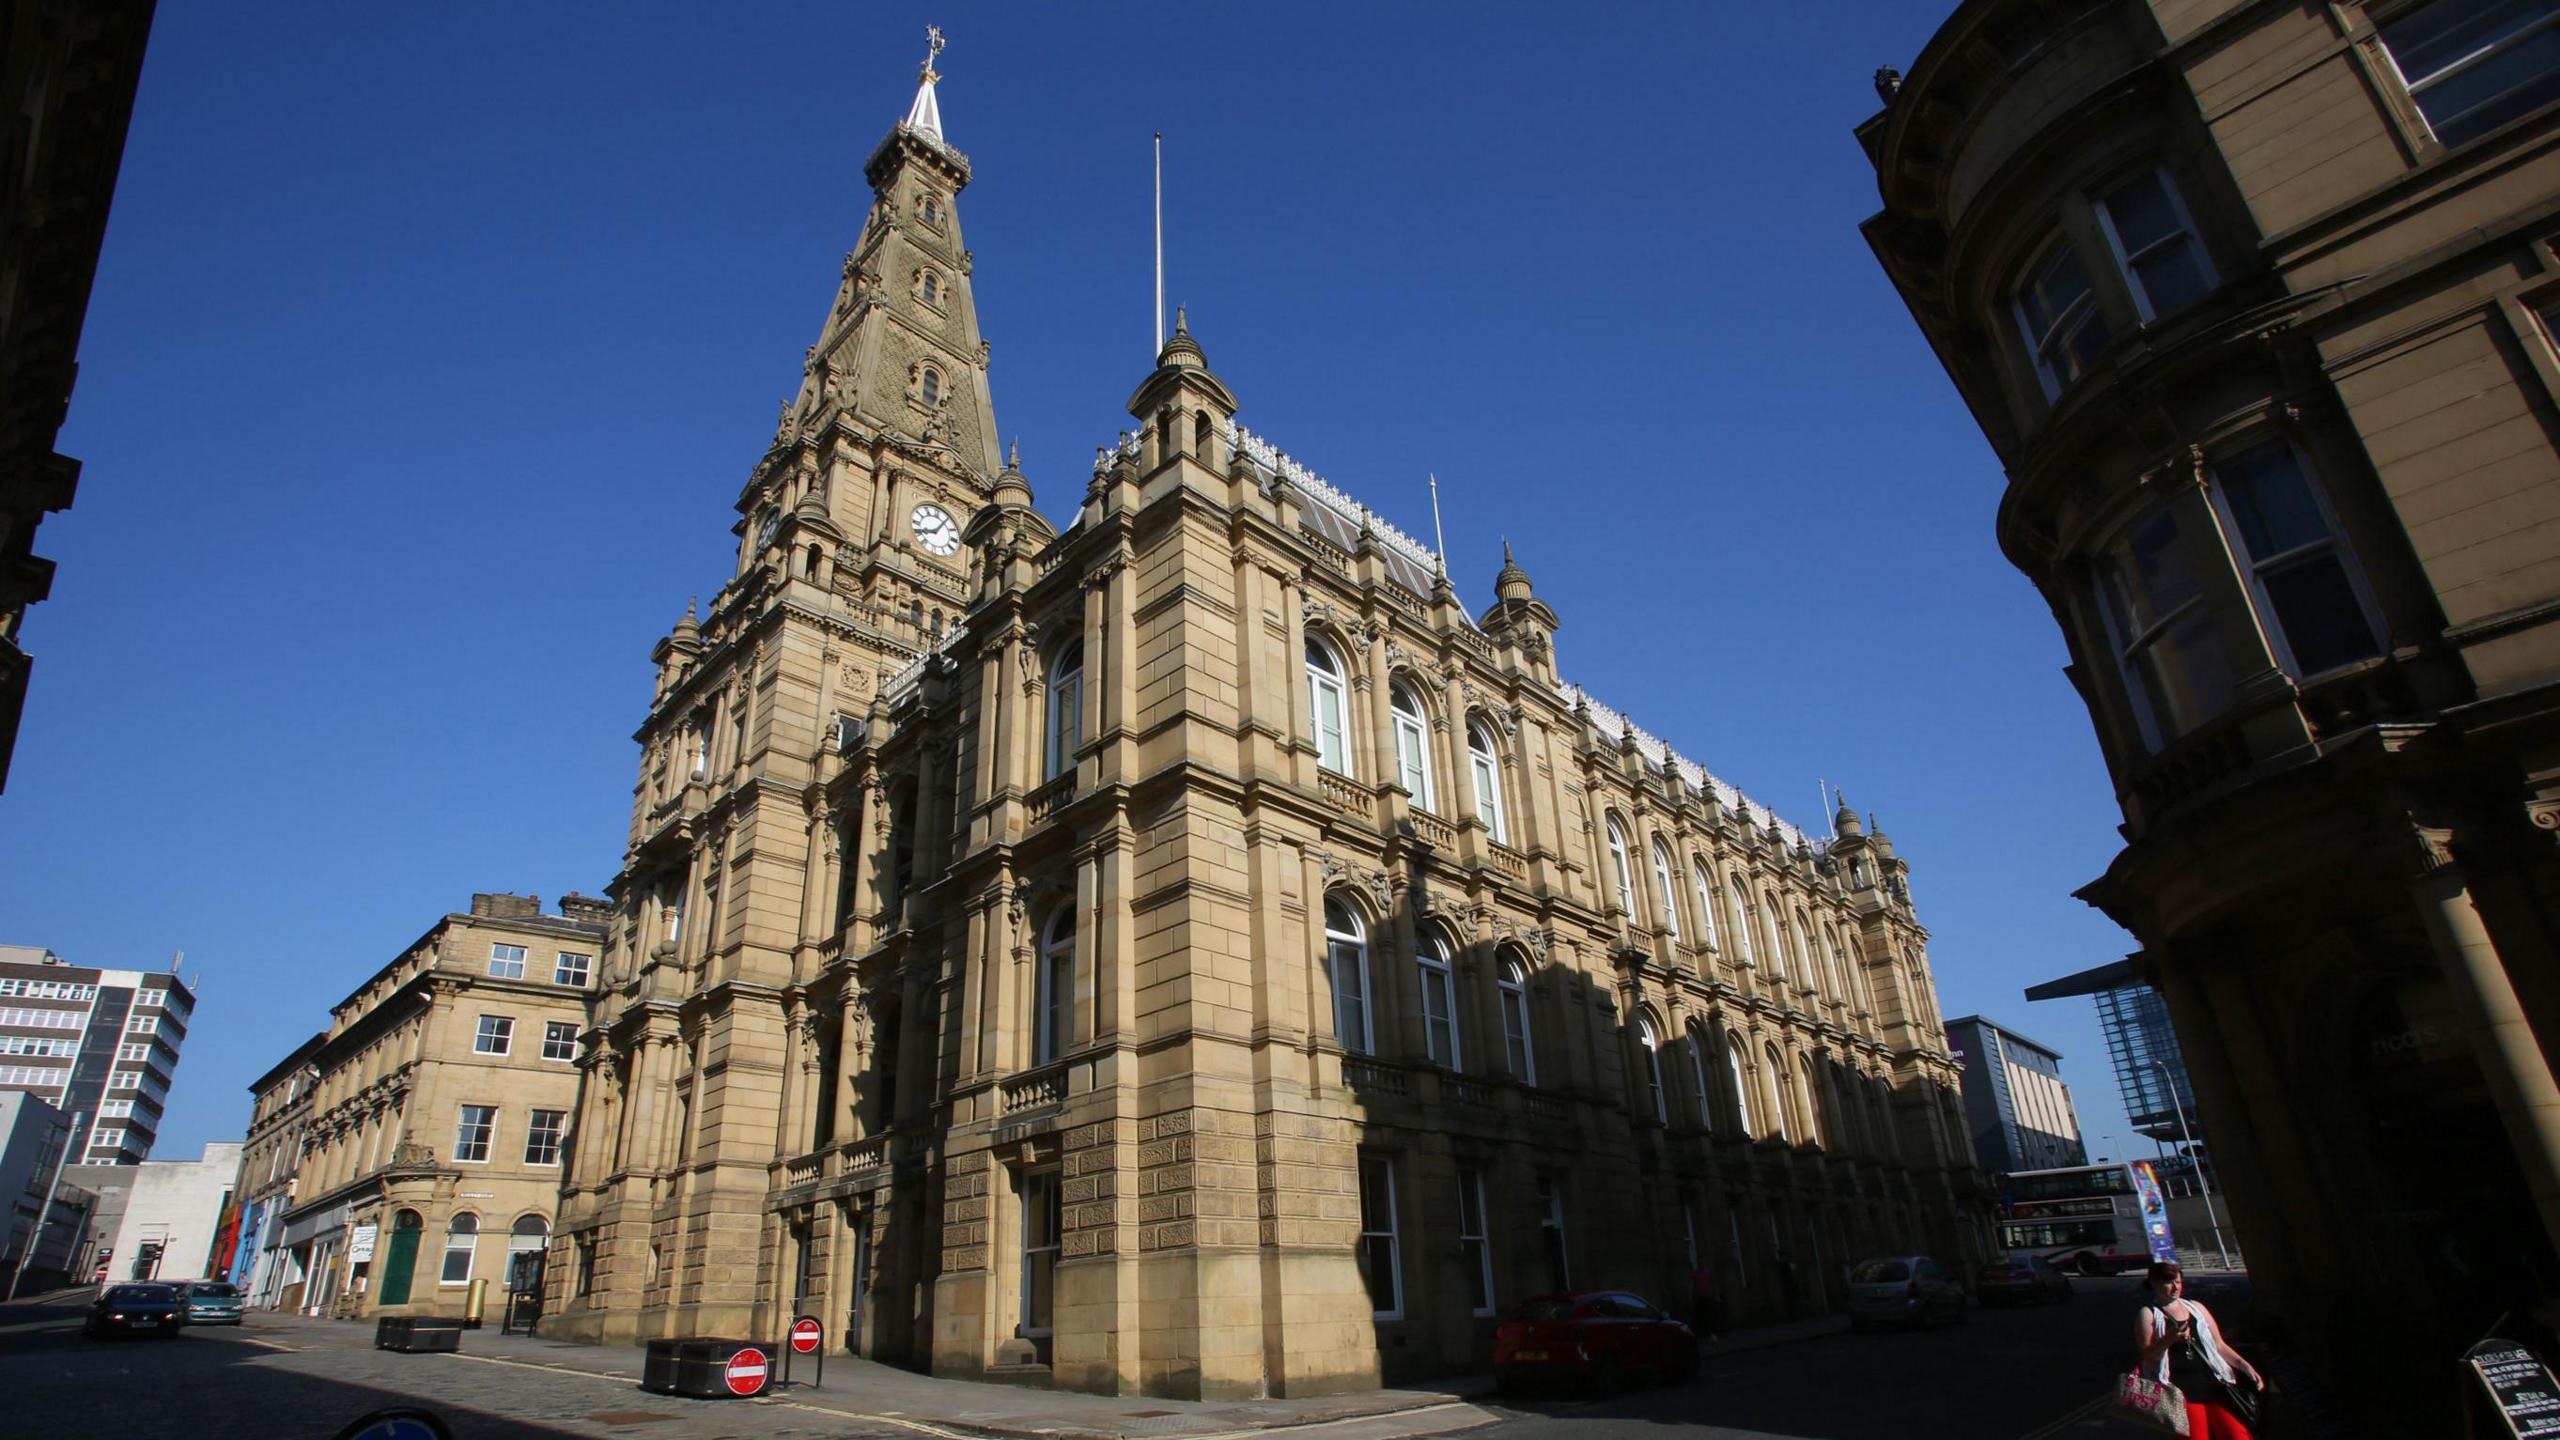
(933, 48)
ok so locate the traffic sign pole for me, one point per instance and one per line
(807, 1336)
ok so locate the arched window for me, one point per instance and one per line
(1346, 964)
(1200, 432)
(929, 387)
(1413, 745)
(929, 210)
(1439, 1003)
(1773, 1076)
(1619, 869)
(1698, 1088)
(1741, 1083)
(1742, 923)
(461, 1241)
(1517, 1046)
(1488, 779)
(1054, 1006)
(1705, 885)
(1652, 1046)
(530, 1237)
(1666, 900)
(1772, 932)
(1811, 958)
(929, 285)
(1809, 1097)
(1066, 709)
(1326, 706)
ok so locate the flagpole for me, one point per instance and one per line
(1439, 541)
(1159, 242)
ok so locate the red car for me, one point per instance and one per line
(1599, 1338)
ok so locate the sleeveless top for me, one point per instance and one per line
(2189, 1365)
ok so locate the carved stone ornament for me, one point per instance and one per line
(1399, 657)
(1340, 873)
(1017, 901)
(2435, 848)
(2545, 815)
(811, 1025)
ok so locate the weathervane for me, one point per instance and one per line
(933, 47)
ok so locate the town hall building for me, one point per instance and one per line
(1186, 952)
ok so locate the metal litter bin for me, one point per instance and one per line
(418, 1334)
(697, 1367)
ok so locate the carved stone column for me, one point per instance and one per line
(2502, 1041)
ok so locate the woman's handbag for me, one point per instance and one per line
(2154, 1403)
(2242, 1401)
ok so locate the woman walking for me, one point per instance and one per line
(2181, 1344)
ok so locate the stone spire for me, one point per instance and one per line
(901, 348)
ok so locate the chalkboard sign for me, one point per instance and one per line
(2526, 1396)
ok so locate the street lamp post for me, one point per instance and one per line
(2204, 1187)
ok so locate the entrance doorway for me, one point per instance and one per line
(402, 1261)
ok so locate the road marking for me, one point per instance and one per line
(1487, 1418)
(918, 1426)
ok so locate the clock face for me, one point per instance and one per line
(935, 530)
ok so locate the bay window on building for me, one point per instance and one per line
(2305, 592)
(2474, 65)
(2137, 255)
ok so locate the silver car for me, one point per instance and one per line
(1902, 1290)
(209, 1302)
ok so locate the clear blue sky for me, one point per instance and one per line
(431, 346)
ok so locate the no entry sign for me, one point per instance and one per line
(807, 1334)
(746, 1372)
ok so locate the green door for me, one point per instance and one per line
(402, 1259)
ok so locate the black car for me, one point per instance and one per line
(135, 1310)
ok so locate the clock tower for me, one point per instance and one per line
(889, 446)
(855, 558)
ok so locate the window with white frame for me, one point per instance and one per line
(1042, 1215)
(506, 962)
(1741, 1082)
(2166, 648)
(1551, 1232)
(125, 1080)
(2154, 245)
(1475, 1253)
(1704, 884)
(1774, 1076)
(139, 1050)
(1699, 1090)
(2474, 65)
(1065, 732)
(153, 998)
(1346, 963)
(1774, 938)
(1666, 899)
(542, 1137)
(46, 1075)
(2057, 310)
(1413, 744)
(44, 1019)
(142, 1025)
(1054, 1000)
(473, 1132)
(497, 1035)
(1439, 1003)
(1513, 989)
(1378, 1249)
(559, 1040)
(571, 968)
(115, 1110)
(461, 1243)
(1742, 923)
(107, 1137)
(1486, 771)
(2299, 575)
(1620, 871)
(1326, 705)
(1651, 1046)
